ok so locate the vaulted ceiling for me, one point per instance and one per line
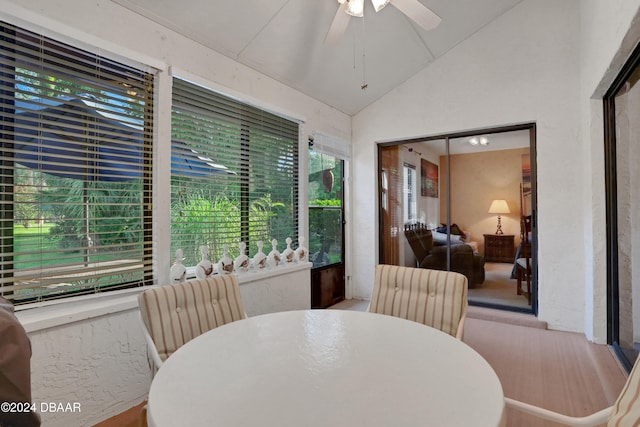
(284, 39)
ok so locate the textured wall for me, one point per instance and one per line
(100, 363)
(272, 294)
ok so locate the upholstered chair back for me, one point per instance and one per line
(175, 314)
(432, 297)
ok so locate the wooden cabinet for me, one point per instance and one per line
(327, 285)
(499, 248)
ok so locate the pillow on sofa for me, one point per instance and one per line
(455, 230)
(442, 238)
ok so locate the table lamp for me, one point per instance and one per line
(499, 207)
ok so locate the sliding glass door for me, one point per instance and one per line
(435, 198)
(326, 229)
(622, 154)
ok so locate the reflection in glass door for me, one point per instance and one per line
(326, 229)
(435, 195)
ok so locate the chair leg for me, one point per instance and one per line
(519, 278)
(529, 286)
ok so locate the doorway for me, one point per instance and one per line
(326, 229)
(621, 111)
(459, 175)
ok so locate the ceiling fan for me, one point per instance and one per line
(414, 10)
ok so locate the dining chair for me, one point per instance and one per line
(523, 263)
(174, 314)
(624, 412)
(433, 297)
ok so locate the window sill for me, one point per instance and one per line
(40, 316)
(45, 315)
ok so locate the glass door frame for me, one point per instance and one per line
(611, 205)
(531, 127)
(328, 281)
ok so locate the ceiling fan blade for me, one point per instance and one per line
(417, 12)
(339, 25)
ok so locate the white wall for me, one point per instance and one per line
(609, 32)
(281, 289)
(516, 70)
(512, 71)
(101, 361)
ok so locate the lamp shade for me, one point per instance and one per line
(499, 207)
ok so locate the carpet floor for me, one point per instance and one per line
(498, 288)
(560, 371)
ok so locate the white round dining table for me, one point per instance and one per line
(325, 368)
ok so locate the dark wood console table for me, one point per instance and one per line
(499, 248)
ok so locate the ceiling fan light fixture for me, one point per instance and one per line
(379, 4)
(355, 8)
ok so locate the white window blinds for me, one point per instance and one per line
(234, 175)
(75, 170)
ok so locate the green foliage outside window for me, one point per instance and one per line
(213, 221)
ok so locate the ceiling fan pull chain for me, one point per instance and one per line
(354, 51)
(364, 75)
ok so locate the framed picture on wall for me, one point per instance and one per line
(429, 178)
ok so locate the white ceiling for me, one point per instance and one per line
(284, 39)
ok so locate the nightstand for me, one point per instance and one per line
(499, 248)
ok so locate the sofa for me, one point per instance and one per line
(428, 255)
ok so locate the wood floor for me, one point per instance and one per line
(560, 371)
(131, 418)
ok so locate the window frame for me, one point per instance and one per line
(409, 188)
(68, 63)
(247, 129)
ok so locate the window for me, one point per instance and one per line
(409, 190)
(234, 175)
(75, 170)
